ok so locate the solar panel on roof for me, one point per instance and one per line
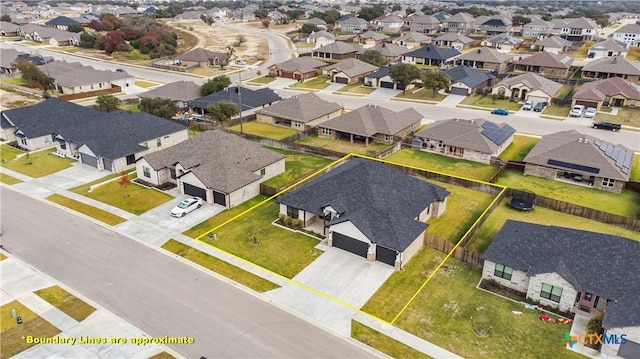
(627, 159)
(597, 143)
(615, 153)
(573, 166)
(609, 151)
(625, 170)
(497, 135)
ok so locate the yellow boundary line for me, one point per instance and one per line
(324, 295)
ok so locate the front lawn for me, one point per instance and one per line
(12, 336)
(262, 80)
(519, 148)
(146, 84)
(635, 169)
(443, 164)
(130, 108)
(296, 165)
(383, 343)
(254, 238)
(489, 103)
(220, 218)
(357, 88)
(625, 117)
(555, 110)
(625, 204)
(539, 215)
(449, 312)
(344, 146)
(316, 83)
(266, 130)
(34, 164)
(93, 212)
(421, 94)
(6, 179)
(70, 305)
(140, 200)
(221, 267)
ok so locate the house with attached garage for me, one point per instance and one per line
(179, 92)
(391, 52)
(537, 28)
(484, 58)
(612, 92)
(300, 68)
(545, 63)
(430, 55)
(371, 209)
(453, 41)
(526, 87)
(349, 71)
(553, 44)
(300, 112)
(425, 24)
(607, 48)
(576, 158)
(466, 81)
(370, 38)
(246, 99)
(338, 50)
(321, 38)
(219, 167)
(460, 23)
(381, 78)
(75, 78)
(580, 29)
(503, 43)
(474, 140)
(412, 40)
(575, 271)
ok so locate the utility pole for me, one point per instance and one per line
(240, 99)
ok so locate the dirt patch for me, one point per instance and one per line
(13, 99)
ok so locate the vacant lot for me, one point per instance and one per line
(264, 130)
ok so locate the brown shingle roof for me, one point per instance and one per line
(338, 47)
(613, 65)
(353, 67)
(547, 59)
(371, 120)
(303, 64)
(303, 108)
(201, 55)
(614, 86)
(534, 82)
(467, 134)
(485, 54)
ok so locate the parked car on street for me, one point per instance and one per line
(539, 106)
(576, 111)
(528, 105)
(605, 125)
(186, 206)
(240, 62)
(590, 112)
(500, 111)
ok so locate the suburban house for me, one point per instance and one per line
(460, 22)
(474, 140)
(179, 92)
(321, 38)
(553, 44)
(381, 78)
(426, 24)
(546, 63)
(412, 40)
(628, 34)
(203, 57)
(250, 99)
(572, 157)
(335, 51)
(503, 42)
(580, 29)
(370, 38)
(219, 167)
(300, 112)
(453, 40)
(319, 23)
(9, 56)
(9, 29)
(537, 29)
(75, 78)
(572, 270)
(611, 92)
(527, 87)
(391, 52)
(63, 23)
(367, 208)
(467, 81)
(349, 71)
(371, 123)
(495, 25)
(430, 55)
(607, 48)
(352, 24)
(390, 24)
(616, 66)
(299, 68)
(484, 58)
(53, 36)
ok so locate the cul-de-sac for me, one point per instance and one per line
(320, 179)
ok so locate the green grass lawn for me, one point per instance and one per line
(383, 343)
(162, 355)
(93, 212)
(264, 130)
(18, 81)
(140, 200)
(6, 179)
(316, 83)
(39, 164)
(421, 94)
(564, 91)
(519, 148)
(625, 204)
(344, 146)
(449, 308)
(131, 108)
(635, 169)
(499, 216)
(146, 84)
(625, 117)
(72, 306)
(11, 337)
(443, 164)
(205, 226)
(230, 271)
(555, 110)
(255, 239)
(464, 207)
(296, 165)
(193, 132)
(357, 88)
(488, 102)
(262, 80)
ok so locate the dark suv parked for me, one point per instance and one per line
(539, 106)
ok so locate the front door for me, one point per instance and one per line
(587, 301)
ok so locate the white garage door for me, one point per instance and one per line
(537, 99)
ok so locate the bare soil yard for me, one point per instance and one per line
(13, 99)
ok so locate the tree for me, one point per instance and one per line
(223, 111)
(113, 40)
(107, 103)
(31, 73)
(308, 28)
(125, 182)
(404, 74)
(215, 84)
(75, 28)
(409, 10)
(374, 57)
(161, 107)
(396, 7)
(87, 40)
(266, 23)
(435, 80)
(5, 17)
(520, 20)
(370, 13)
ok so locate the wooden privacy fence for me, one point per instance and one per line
(462, 254)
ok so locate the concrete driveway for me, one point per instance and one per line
(76, 175)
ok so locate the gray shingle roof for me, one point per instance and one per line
(176, 91)
(433, 52)
(371, 120)
(250, 98)
(338, 47)
(614, 86)
(414, 36)
(303, 64)
(581, 23)
(609, 44)
(303, 108)
(380, 200)
(352, 67)
(553, 41)
(467, 134)
(461, 17)
(222, 161)
(547, 59)
(71, 74)
(425, 19)
(387, 49)
(601, 264)
(62, 20)
(613, 65)
(454, 36)
(374, 35)
(485, 54)
(570, 147)
(468, 76)
(321, 34)
(629, 29)
(534, 82)
(201, 55)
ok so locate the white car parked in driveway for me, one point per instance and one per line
(590, 112)
(576, 111)
(186, 206)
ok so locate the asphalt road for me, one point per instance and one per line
(155, 292)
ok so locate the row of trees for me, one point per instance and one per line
(404, 74)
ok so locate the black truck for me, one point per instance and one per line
(605, 125)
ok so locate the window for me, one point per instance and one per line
(145, 144)
(263, 172)
(388, 137)
(297, 124)
(550, 292)
(146, 172)
(158, 142)
(326, 131)
(503, 271)
(608, 182)
(292, 212)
